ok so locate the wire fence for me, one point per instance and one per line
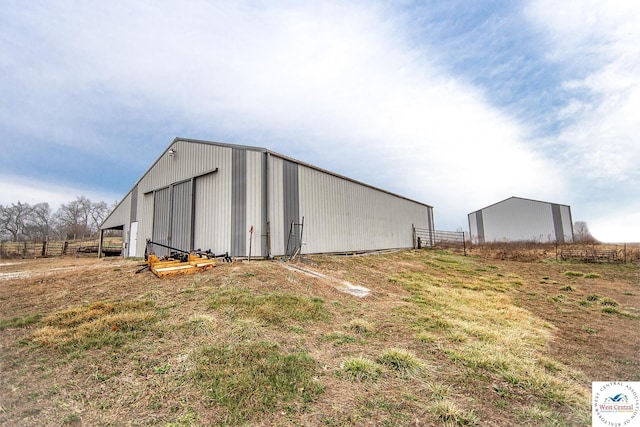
(427, 238)
(33, 249)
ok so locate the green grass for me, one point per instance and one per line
(361, 369)
(274, 308)
(340, 338)
(574, 274)
(400, 360)
(248, 379)
(96, 325)
(19, 322)
(362, 327)
(503, 342)
(448, 413)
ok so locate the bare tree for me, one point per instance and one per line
(581, 233)
(98, 213)
(73, 218)
(40, 222)
(14, 220)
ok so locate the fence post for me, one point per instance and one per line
(464, 244)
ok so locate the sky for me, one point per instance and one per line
(456, 104)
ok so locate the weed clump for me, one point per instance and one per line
(361, 369)
(400, 360)
(361, 327)
(574, 274)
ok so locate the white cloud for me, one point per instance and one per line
(15, 189)
(336, 84)
(598, 45)
(345, 86)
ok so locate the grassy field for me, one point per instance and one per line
(441, 339)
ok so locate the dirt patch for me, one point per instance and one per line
(341, 285)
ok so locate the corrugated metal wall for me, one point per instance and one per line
(119, 216)
(134, 204)
(238, 202)
(213, 210)
(341, 215)
(180, 232)
(212, 194)
(256, 213)
(517, 219)
(276, 204)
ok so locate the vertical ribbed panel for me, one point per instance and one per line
(567, 223)
(255, 213)
(276, 204)
(134, 204)
(212, 228)
(161, 219)
(145, 223)
(238, 202)
(291, 199)
(181, 216)
(480, 227)
(121, 215)
(557, 223)
(517, 219)
(341, 215)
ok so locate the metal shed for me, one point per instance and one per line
(251, 201)
(517, 219)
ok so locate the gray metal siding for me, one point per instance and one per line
(557, 223)
(120, 216)
(291, 198)
(276, 204)
(180, 232)
(145, 222)
(238, 203)
(212, 228)
(255, 203)
(517, 219)
(253, 187)
(479, 227)
(342, 215)
(134, 205)
(161, 219)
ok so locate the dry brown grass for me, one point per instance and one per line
(442, 339)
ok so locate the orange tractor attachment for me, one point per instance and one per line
(179, 261)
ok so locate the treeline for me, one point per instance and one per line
(78, 219)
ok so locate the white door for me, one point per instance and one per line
(133, 238)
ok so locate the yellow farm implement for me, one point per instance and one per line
(179, 261)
